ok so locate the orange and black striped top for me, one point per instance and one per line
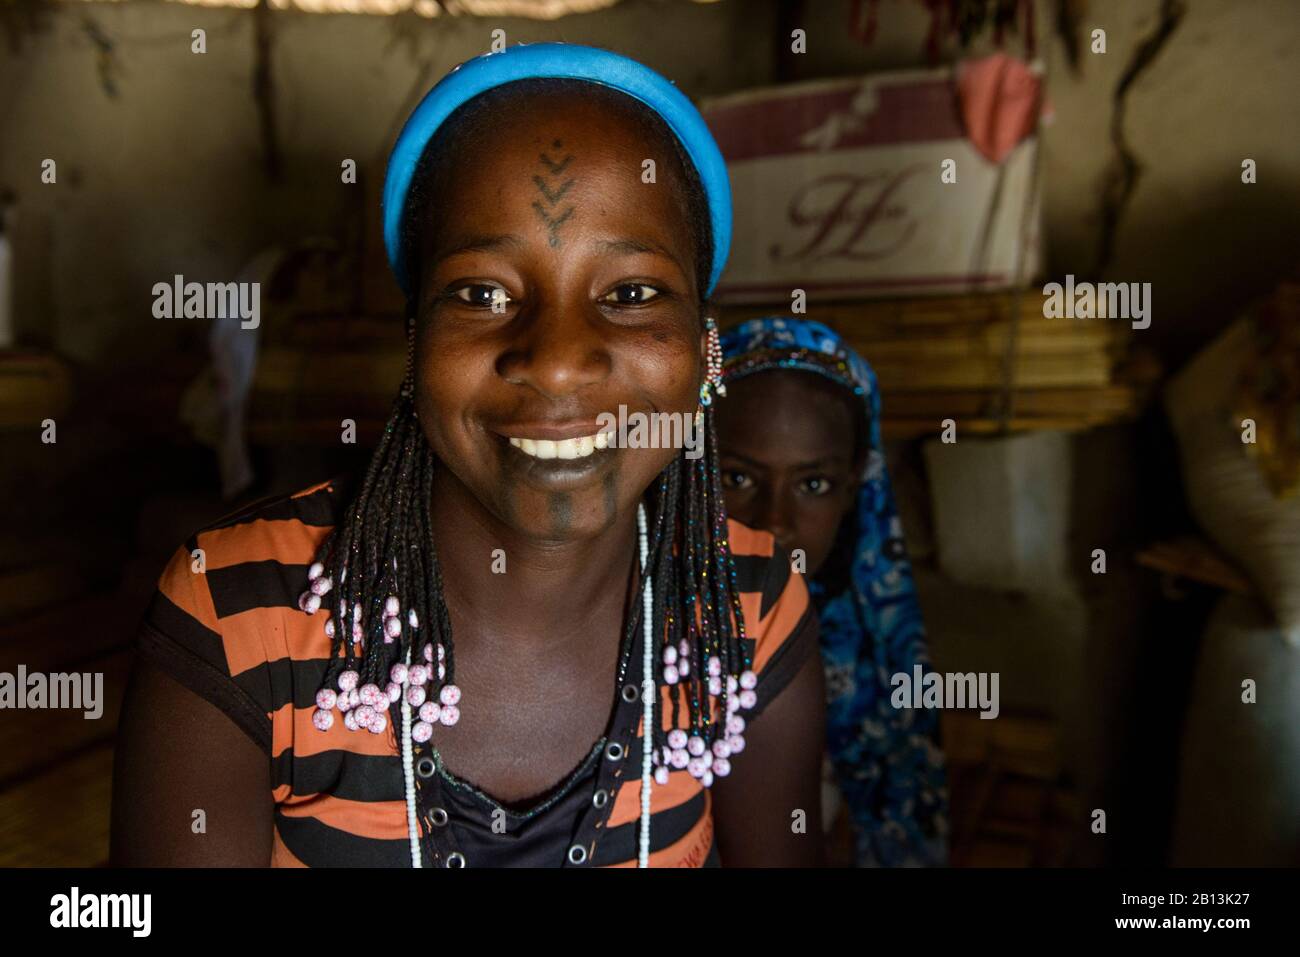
(233, 633)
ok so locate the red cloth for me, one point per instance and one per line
(998, 97)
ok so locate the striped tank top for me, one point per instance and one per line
(233, 634)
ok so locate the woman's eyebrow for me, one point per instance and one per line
(483, 243)
(826, 461)
(631, 247)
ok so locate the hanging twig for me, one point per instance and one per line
(1126, 170)
(264, 90)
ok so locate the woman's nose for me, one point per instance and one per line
(778, 516)
(558, 351)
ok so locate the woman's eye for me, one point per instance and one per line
(817, 485)
(732, 478)
(631, 294)
(483, 295)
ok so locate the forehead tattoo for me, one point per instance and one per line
(551, 184)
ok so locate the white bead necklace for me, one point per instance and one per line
(408, 770)
(647, 690)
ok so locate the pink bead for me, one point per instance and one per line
(363, 715)
(394, 691)
(358, 633)
(670, 655)
(415, 695)
(397, 673)
(325, 699)
(315, 572)
(329, 628)
(309, 603)
(378, 724)
(721, 767)
(715, 686)
(348, 680)
(684, 666)
(715, 666)
(369, 693)
(428, 653)
(321, 586)
(392, 607)
(720, 749)
(733, 705)
(748, 680)
(381, 703)
(354, 698)
(707, 778)
(736, 742)
(684, 648)
(748, 699)
(679, 758)
(356, 612)
(417, 674)
(450, 694)
(393, 627)
(350, 721)
(450, 715)
(696, 767)
(695, 745)
(411, 619)
(676, 739)
(661, 775)
(732, 684)
(735, 724)
(344, 702)
(442, 671)
(665, 754)
(442, 653)
(422, 731)
(429, 711)
(671, 677)
(323, 718)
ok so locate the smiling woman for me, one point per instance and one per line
(618, 642)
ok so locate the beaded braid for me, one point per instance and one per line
(369, 634)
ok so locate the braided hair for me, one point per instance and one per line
(378, 574)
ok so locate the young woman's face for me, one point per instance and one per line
(556, 286)
(787, 460)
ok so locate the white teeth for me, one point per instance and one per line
(578, 448)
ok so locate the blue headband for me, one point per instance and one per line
(561, 61)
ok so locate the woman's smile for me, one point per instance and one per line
(555, 457)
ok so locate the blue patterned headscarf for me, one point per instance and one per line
(886, 759)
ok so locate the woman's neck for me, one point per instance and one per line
(523, 594)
